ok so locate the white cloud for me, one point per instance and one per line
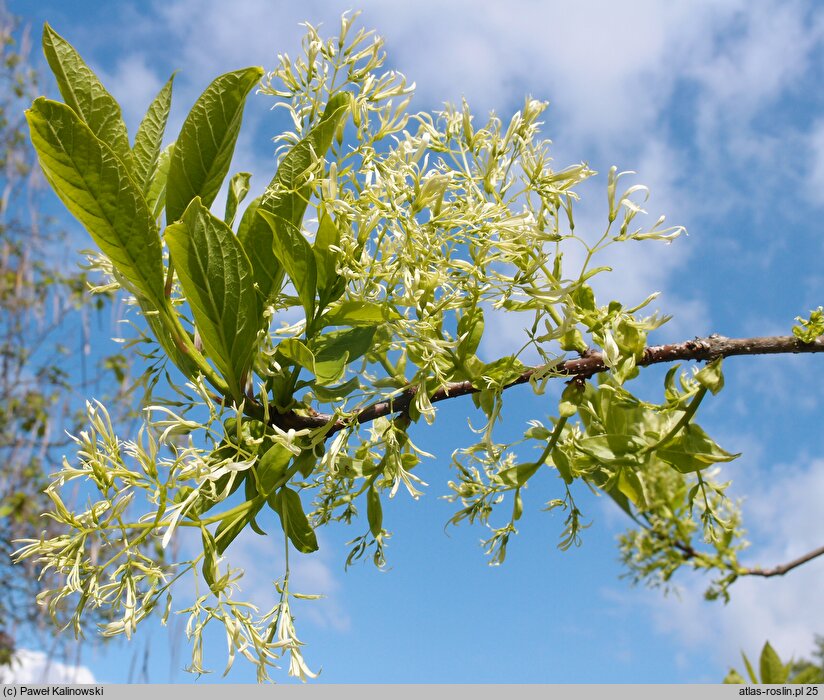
(764, 50)
(135, 85)
(36, 667)
(212, 39)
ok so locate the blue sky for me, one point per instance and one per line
(719, 107)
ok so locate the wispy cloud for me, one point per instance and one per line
(30, 666)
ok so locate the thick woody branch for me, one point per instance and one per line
(699, 349)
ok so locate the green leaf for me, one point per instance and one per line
(330, 285)
(358, 313)
(374, 511)
(750, 669)
(156, 192)
(693, 450)
(733, 677)
(810, 674)
(630, 484)
(207, 140)
(561, 462)
(809, 329)
(216, 277)
(288, 194)
(149, 137)
(519, 474)
(182, 360)
(85, 94)
(232, 525)
(96, 188)
(286, 503)
(620, 499)
(256, 236)
(503, 370)
(613, 449)
(573, 340)
(205, 502)
(238, 189)
(251, 494)
(306, 462)
(470, 332)
(711, 376)
(294, 253)
(209, 568)
(772, 670)
(272, 468)
(336, 393)
(295, 351)
(629, 338)
(334, 350)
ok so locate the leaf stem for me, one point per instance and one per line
(689, 412)
(185, 343)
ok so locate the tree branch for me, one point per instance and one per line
(783, 568)
(690, 552)
(699, 349)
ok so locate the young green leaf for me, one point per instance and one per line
(207, 141)
(238, 189)
(750, 669)
(286, 503)
(182, 360)
(470, 332)
(287, 196)
(306, 462)
(251, 492)
(209, 568)
(295, 351)
(519, 474)
(502, 371)
(330, 284)
(156, 191)
(614, 449)
(232, 525)
(772, 670)
(96, 188)
(206, 501)
(374, 511)
(272, 468)
(149, 137)
(256, 236)
(358, 313)
(334, 350)
(216, 277)
(293, 252)
(809, 329)
(733, 677)
(85, 94)
(693, 450)
(336, 393)
(630, 484)
(711, 376)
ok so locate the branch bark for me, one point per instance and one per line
(783, 568)
(699, 349)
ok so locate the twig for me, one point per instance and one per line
(783, 568)
(699, 349)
